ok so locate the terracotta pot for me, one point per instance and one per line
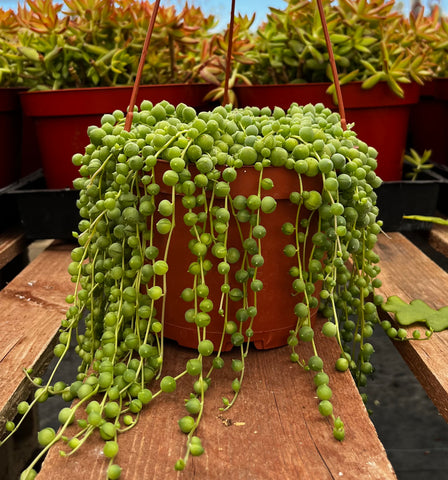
(275, 302)
(62, 117)
(381, 118)
(428, 128)
(10, 136)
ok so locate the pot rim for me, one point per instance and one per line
(352, 94)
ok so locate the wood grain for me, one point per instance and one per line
(438, 238)
(31, 309)
(12, 243)
(273, 431)
(410, 274)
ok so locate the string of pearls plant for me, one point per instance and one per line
(175, 160)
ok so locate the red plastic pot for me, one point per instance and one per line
(61, 118)
(10, 136)
(275, 302)
(428, 128)
(381, 118)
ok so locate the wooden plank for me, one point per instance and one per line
(32, 306)
(12, 244)
(274, 429)
(438, 238)
(410, 274)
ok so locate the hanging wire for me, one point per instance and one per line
(229, 54)
(333, 65)
(134, 94)
(141, 64)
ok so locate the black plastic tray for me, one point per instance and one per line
(442, 204)
(406, 197)
(9, 215)
(44, 213)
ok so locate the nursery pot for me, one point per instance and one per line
(428, 129)
(441, 170)
(10, 136)
(275, 302)
(381, 118)
(62, 117)
(409, 197)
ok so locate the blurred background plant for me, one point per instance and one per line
(372, 42)
(212, 66)
(433, 31)
(84, 43)
(8, 30)
(418, 163)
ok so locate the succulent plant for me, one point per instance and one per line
(432, 33)
(371, 43)
(212, 67)
(8, 29)
(87, 43)
(170, 184)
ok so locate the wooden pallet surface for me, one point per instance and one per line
(273, 430)
(409, 273)
(31, 309)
